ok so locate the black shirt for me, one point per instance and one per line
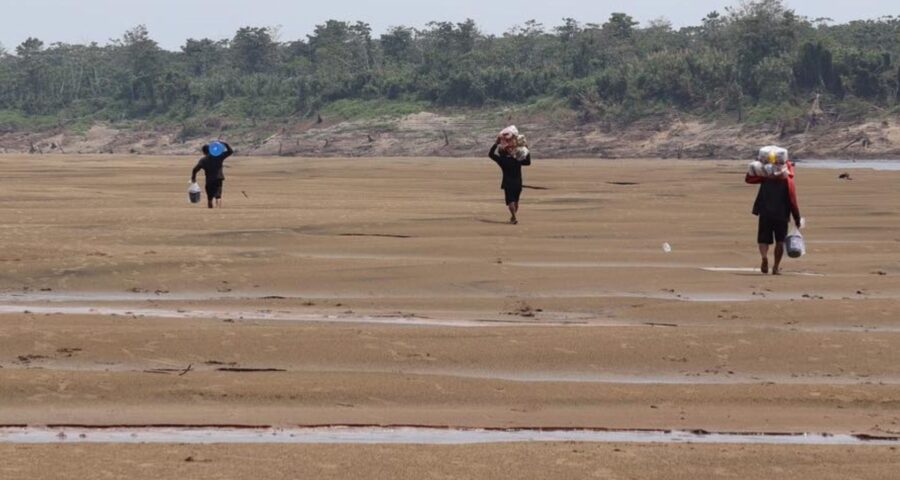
(512, 167)
(774, 200)
(213, 167)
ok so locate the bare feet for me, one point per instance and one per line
(776, 270)
(764, 268)
(513, 221)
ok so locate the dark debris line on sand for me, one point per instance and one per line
(381, 235)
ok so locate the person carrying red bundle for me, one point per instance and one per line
(775, 204)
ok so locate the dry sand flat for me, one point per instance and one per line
(389, 291)
(532, 461)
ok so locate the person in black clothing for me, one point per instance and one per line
(775, 204)
(214, 171)
(512, 176)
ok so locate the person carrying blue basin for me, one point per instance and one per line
(212, 164)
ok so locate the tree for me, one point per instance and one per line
(758, 30)
(759, 53)
(31, 47)
(32, 76)
(620, 26)
(253, 50)
(897, 85)
(362, 41)
(814, 69)
(865, 73)
(772, 79)
(398, 45)
(575, 48)
(712, 30)
(204, 55)
(141, 63)
(659, 36)
(531, 47)
(568, 30)
(342, 56)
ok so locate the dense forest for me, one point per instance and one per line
(749, 63)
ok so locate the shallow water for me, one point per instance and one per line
(650, 265)
(99, 297)
(756, 270)
(562, 377)
(612, 265)
(284, 316)
(409, 435)
(238, 315)
(295, 317)
(684, 379)
(880, 165)
(10, 299)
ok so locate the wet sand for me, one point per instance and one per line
(390, 292)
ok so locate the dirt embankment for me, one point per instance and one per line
(459, 135)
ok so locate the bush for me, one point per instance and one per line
(363, 109)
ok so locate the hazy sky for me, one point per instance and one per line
(172, 21)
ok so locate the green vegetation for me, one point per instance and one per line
(346, 109)
(13, 120)
(756, 63)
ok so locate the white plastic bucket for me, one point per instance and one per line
(194, 193)
(795, 245)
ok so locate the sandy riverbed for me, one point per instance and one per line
(390, 291)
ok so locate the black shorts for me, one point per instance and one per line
(771, 231)
(214, 188)
(512, 194)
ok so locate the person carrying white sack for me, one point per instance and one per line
(511, 153)
(771, 161)
(776, 202)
